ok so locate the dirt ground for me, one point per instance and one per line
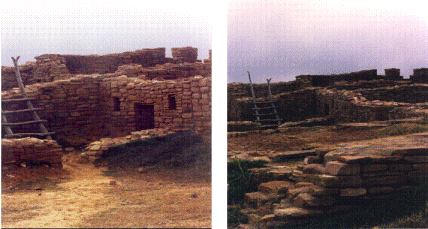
(82, 195)
(298, 138)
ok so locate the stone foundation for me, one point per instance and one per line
(31, 151)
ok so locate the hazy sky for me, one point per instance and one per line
(33, 28)
(283, 39)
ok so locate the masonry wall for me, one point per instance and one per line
(89, 64)
(192, 109)
(325, 80)
(415, 93)
(50, 67)
(68, 105)
(86, 104)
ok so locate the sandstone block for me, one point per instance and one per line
(307, 200)
(400, 167)
(385, 180)
(417, 159)
(339, 181)
(339, 168)
(421, 167)
(295, 212)
(374, 167)
(380, 190)
(353, 192)
(418, 177)
(276, 187)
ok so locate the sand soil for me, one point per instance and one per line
(82, 195)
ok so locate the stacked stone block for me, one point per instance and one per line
(393, 74)
(8, 76)
(345, 177)
(32, 150)
(186, 54)
(420, 75)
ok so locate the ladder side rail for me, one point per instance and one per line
(4, 120)
(29, 104)
(271, 100)
(254, 99)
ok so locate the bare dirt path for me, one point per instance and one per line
(89, 196)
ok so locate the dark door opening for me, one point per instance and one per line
(144, 116)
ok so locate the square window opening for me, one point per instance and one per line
(172, 103)
(116, 104)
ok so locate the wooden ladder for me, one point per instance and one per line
(30, 109)
(265, 112)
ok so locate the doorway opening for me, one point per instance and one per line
(144, 116)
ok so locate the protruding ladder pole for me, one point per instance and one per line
(271, 101)
(254, 100)
(24, 94)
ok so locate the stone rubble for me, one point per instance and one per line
(351, 174)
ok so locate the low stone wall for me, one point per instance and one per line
(325, 80)
(337, 180)
(362, 105)
(32, 151)
(90, 64)
(414, 93)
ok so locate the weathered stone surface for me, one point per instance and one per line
(321, 191)
(292, 192)
(418, 177)
(314, 168)
(275, 187)
(307, 200)
(385, 180)
(296, 212)
(374, 167)
(339, 168)
(353, 192)
(417, 159)
(255, 198)
(380, 190)
(340, 181)
(400, 167)
(420, 167)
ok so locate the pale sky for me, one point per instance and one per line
(30, 29)
(283, 39)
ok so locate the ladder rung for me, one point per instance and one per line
(24, 123)
(21, 111)
(266, 114)
(20, 135)
(269, 120)
(263, 108)
(16, 100)
(273, 125)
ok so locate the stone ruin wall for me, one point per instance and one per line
(145, 63)
(86, 104)
(363, 101)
